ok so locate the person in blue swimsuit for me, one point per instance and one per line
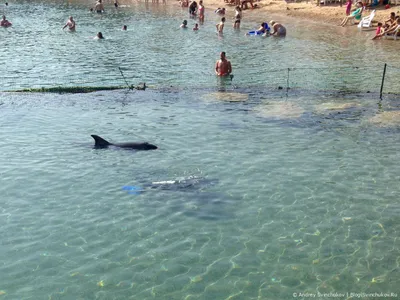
(264, 29)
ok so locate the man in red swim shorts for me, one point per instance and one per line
(223, 66)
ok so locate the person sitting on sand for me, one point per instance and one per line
(393, 30)
(278, 29)
(220, 11)
(70, 24)
(391, 20)
(99, 7)
(355, 15)
(245, 2)
(223, 66)
(184, 3)
(184, 24)
(378, 31)
(5, 23)
(220, 26)
(99, 36)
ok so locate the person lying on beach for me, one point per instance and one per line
(278, 29)
(220, 26)
(70, 24)
(223, 66)
(220, 11)
(391, 31)
(355, 15)
(262, 30)
(5, 23)
(184, 24)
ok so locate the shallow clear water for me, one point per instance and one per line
(287, 194)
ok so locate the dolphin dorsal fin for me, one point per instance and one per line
(100, 142)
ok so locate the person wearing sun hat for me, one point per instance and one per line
(277, 29)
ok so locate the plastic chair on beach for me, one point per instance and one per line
(366, 21)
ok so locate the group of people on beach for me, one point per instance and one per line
(198, 11)
(390, 26)
(223, 66)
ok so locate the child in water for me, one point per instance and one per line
(184, 24)
(196, 27)
(220, 26)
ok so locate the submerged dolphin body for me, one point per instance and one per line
(99, 142)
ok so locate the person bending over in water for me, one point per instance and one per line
(193, 9)
(70, 24)
(5, 23)
(223, 66)
(220, 26)
(278, 29)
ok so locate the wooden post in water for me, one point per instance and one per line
(383, 80)
(287, 82)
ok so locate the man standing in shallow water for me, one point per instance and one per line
(223, 66)
(70, 24)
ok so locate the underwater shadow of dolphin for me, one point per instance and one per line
(100, 143)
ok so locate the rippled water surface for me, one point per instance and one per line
(252, 194)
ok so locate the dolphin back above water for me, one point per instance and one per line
(99, 142)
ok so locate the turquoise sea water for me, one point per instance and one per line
(280, 196)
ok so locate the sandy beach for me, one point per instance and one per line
(330, 13)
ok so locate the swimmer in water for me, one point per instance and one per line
(196, 27)
(184, 24)
(99, 36)
(124, 28)
(5, 23)
(70, 24)
(223, 66)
